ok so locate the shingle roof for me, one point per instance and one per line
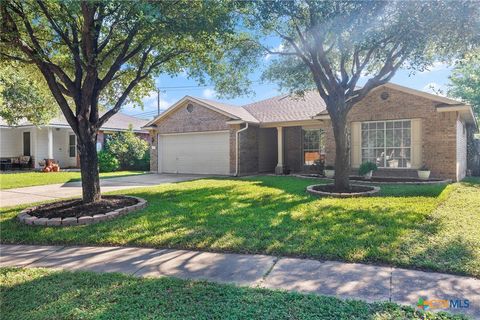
(239, 112)
(287, 107)
(119, 121)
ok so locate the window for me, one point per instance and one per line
(26, 144)
(313, 147)
(72, 145)
(387, 143)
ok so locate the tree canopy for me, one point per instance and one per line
(108, 53)
(24, 94)
(330, 45)
(465, 81)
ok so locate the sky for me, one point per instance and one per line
(175, 88)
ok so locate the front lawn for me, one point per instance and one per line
(431, 227)
(29, 179)
(46, 294)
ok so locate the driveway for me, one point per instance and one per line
(13, 197)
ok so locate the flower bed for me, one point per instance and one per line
(328, 190)
(74, 212)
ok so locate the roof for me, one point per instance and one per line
(118, 122)
(240, 112)
(287, 107)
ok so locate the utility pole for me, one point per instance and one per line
(158, 101)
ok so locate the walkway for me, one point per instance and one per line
(344, 280)
(14, 197)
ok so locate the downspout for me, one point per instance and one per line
(236, 148)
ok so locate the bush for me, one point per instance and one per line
(107, 162)
(366, 167)
(131, 151)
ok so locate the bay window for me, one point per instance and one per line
(387, 143)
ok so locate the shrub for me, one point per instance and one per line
(130, 150)
(424, 168)
(107, 162)
(366, 167)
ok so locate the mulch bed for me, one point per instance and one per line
(76, 208)
(392, 179)
(331, 188)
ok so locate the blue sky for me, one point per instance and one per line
(437, 77)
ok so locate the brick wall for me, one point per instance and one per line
(267, 149)
(200, 119)
(248, 145)
(292, 145)
(153, 151)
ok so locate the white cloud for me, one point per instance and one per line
(434, 88)
(436, 66)
(208, 93)
(278, 48)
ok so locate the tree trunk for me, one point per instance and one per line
(342, 165)
(89, 170)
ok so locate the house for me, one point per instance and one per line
(56, 139)
(398, 128)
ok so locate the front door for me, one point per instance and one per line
(26, 144)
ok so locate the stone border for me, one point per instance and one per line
(446, 181)
(342, 195)
(26, 218)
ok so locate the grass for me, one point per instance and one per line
(29, 179)
(46, 294)
(432, 227)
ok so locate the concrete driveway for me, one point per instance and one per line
(13, 197)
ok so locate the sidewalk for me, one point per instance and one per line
(344, 280)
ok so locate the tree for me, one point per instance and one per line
(330, 45)
(108, 52)
(465, 85)
(465, 81)
(24, 94)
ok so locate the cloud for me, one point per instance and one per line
(208, 93)
(278, 48)
(436, 66)
(149, 105)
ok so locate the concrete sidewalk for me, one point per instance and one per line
(344, 280)
(19, 196)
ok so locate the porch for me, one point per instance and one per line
(36, 144)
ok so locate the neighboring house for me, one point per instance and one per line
(398, 128)
(56, 140)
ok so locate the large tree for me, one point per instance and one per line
(108, 52)
(465, 81)
(330, 45)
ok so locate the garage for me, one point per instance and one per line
(197, 153)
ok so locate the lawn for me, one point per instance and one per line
(29, 179)
(429, 227)
(46, 294)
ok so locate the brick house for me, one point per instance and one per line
(56, 140)
(398, 128)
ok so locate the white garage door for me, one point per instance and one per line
(202, 153)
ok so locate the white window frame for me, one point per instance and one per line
(322, 133)
(362, 148)
(74, 146)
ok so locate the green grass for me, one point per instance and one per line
(29, 179)
(429, 227)
(46, 294)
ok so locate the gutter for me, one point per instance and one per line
(236, 148)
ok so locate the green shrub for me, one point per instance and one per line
(366, 167)
(131, 151)
(107, 162)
